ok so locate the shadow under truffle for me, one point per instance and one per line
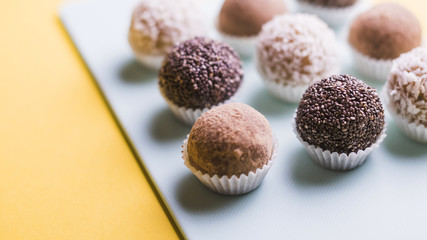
(269, 105)
(134, 72)
(166, 127)
(307, 173)
(193, 196)
(399, 144)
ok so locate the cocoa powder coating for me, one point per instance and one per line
(231, 139)
(245, 18)
(200, 73)
(340, 114)
(385, 31)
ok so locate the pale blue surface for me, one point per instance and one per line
(385, 198)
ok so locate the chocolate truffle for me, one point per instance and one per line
(157, 25)
(340, 114)
(231, 139)
(331, 3)
(385, 31)
(407, 86)
(296, 50)
(200, 73)
(245, 18)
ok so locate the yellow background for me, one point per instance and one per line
(66, 171)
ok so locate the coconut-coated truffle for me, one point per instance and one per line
(296, 49)
(385, 31)
(200, 73)
(407, 86)
(331, 3)
(231, 139)
(245, 18)
(340, 114)
(157, 25)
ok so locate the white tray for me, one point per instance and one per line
(386, 198)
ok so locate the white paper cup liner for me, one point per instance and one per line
(334, 17)
(235, 184)
(152, 61)
(245, 46)
(335, 160)
(189, 115)
(413, 131)
(376, 69)
(286, 93)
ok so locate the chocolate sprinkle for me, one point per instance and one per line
(200, 73)
(340, 114)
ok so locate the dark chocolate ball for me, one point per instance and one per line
(200, 73)
(340, 114)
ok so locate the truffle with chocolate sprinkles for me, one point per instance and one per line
(340, 114)
(200, 73)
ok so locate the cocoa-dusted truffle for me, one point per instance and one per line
(331, 3)
(231, 139)
(245, 18)
(385, 31)
(340, 114)
(200, 73)
(407, 86)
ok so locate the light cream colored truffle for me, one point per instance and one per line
(296, 50)
(407, 86)
(157, 25)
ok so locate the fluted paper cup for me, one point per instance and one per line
(189, 115)
(233, 185)
(376, 69)
(416, 132)
(285, 92)
(245, 46)
(333, 16)
(152, 61)
(335, 160)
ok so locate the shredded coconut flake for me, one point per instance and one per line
(407, 85)
(158, 25)
(297, 49)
